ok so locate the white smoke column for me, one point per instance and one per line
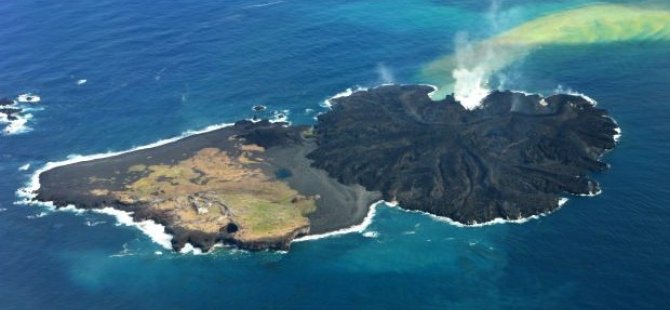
(474, 65)
(470, 87)
(492, 15)
(385, 74)
(471, 73)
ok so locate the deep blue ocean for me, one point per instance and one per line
(156, 69)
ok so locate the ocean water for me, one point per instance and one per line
(156, 70)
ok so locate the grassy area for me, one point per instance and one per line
(212, 189)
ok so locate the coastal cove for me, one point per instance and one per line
(254, 184)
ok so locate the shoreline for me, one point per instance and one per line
(29, 192)
(150, 228)
(158, 232)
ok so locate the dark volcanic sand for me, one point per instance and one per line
(513, 157)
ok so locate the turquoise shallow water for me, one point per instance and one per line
(157, 70)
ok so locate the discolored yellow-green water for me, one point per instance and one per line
(473, 63)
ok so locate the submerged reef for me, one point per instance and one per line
(260, 185)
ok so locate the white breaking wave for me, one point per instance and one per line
(352, 229)
(435, 89)
(28, 98)
(71, 208)
(189, 248)
(328, 103)
(150, 228)
(569, 91)
(20, 123)
(361, 228)
(592, 194)
(92, 223)
(158, 75)
(280, 116)
(82, 82)
(370, 234)
(38, 215)
(17, 126)
(124, 252)
(495, 221)
(24, 167)
(348, 92)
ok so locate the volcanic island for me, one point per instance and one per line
(259, 185)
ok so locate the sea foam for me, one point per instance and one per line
(150, 228)
(189, 248)
(569, 91)
(20, 125)
(359, 228)
(328, 103)
(495, 221)
(28, 98)
(362, 228)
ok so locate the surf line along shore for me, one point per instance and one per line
(260, 185)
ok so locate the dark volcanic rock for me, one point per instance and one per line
(11, 113)
(514, 157)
